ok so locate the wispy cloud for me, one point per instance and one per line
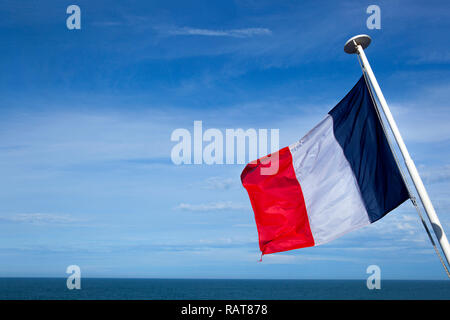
(422, 113)
(396, 229)
(303, 258)
(219, 183)
(212, 206)
(235, 33)
(102, 246)
(435, 175)
(431, 57)
(148, 161)
(39, 218)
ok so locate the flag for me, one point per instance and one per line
(340, 177)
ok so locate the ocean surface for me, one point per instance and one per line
(175, 289)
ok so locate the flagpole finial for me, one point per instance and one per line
(361, 39)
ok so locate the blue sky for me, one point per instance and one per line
(86, 117)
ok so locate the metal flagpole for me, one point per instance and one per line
(357, 45)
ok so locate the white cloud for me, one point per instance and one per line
(212, 206)
(235, 33)
(423, 116)
(435, 175)
(219, 183)
(39, 218)
(302, 258)
(431, 57)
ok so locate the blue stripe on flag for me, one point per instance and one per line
(358, 130)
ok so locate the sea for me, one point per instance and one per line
(210, 289)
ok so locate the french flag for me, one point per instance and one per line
(340, 177)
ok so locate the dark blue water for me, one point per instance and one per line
(174, 289)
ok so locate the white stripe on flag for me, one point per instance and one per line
(331, 192)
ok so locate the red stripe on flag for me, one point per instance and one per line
(278, 204)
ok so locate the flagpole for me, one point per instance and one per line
(357, 45)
